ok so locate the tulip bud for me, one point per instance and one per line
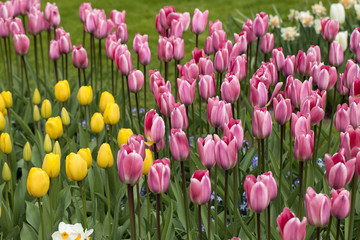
(269, 181)
(200, 187)
(148, 161)
(207, 151)
(230, 88)
(342, 118)
(85, 95)
(304, 146)
(7, 96)
(218, 112)
(65, 119)
(207, 86)
(97, 123)
(144, 54)
(86, 155)
(235, 128)
(226, 151)
(5, 143)
(290, 226)
(54, 127)
(47, 144)
(27, 152)
(57, 149)
(317, 208)
(6, 172)
(159, 176)
(62, 91)
(257, 194)
(79, 57)
(179, 145)
(340, 203)
(36, 114)
(105, 158)
(336, 54)
(199, 21)
(208, 46)
(329, 29)
(135, 81)
(46, 109)
(179, 119)
(221, 60)
(260, 24)
(36, 97)
(2, 122)
(154, 127)
(51, 165)
(38, 182)
(105, 99)
(54, 50)
(261, 123)
(21, 44)
(76, 167)
(112, 114)
(267, 43)
(178, 48)
(130, 166)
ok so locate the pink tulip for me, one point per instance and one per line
(257, 194)
(300, 124)
(155, 80)
(289, 66)
(54, 51)
(261, 123)
(336, 54)
(215, 26)
(297, 91)
(313, 55)
(266, 74)
(354, 40)
(241, 42)
(329, 29)
(236, 129)
(52, 14)
(90, 21)
(166, 102)
(124, 63)
(340, 203)
(179, 119)
(117, 17)
(304, 146)
(186, 91)
(342, 89)
(290, 226)
(16, 26)
(317, 208)
(135, 81)
(79, 57)
(208, 46)
(119, 49)
(267, 43)
(110, 44)
(65, 44)
(302, 64)
(136, 143)
(200, 187)
(21, 44)
(121, 32)
(237, 66)
(355, 87)
(4, 28)
(35, 22)
(258, 93)
(230, 88)
(278, 58)
(339, 172)
(350, 141)
(357, 166)
(342, 118)
(199, 21)
(218, 112)
(207, 86)
(154, 127)
(206, 66)
(196, 54)
(269, 181)
(221, 60)
(179, 145)
(159, 146)
(144, 54)
(189, 71)
(206, 149)
(165, 49)
(260, 24)
(314, 105)
(130, 166)
(82, 10)
(354, 112)
(164, 16)
(324, 76)
(159, 176)
(226, 151)
(218, 39)
(159, 28)
(282, 109)
(138, 41)
(176, 29)
(6, 10)
(102, 30)
(351, 71)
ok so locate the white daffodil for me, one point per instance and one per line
(306, 18)
(318, 9)
(289, 33)
(293, 15)
(317, 26)
(348, 3)
(65, 232)
(275, 21)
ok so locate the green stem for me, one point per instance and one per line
(235, 192)
(50, 203)
(42, 55)
(158, 197)
(86, 127)
(185, 198)
(147, 199)
(301, 168)
(199, 214)
(129, 98)
(6, 195)
(131, 212)
(259, 157)
(11, 182)
(333, 107)
(111, 138)
(352, 212)
(108, 199)
(36, 62)
(257, 51)
(112, 78)
(282, 130)
(138, 207)
(225, 202)
(27, 79)
(329, 228)
(262, 156)
(100, 64)
(176, 62)
(145, 73)
(338, 229)
(138, 111)
(42, 219)
(269, 222)
(83, 196)
(318, 233)
(258, 226)
(56, 71)
(215, 198)
(209, 209)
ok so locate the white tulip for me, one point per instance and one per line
(337, 12)
(357, 10)
(342, 38)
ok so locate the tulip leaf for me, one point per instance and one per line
(27, 232)
(166, 231)
(32, 215)
(23, 125)
(19, 197)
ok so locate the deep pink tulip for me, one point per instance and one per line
(339, 172)
(65, 44)
(159, 146)
(302, 64)
(200, 187)
(208, 46)
(278, 58)
(206, 66)
(159, 176)
(342, 89)
(300, 124)
(207, 86)
(230, 88)
(304, 146)
(324, 76)
(282, 109)
(340, 203)
(354, 112)
(267, 43)
(52, 14)
(137, 144)
(329, 29)
(124, 63)
(257, 194)
(354, 40)
(166, 102)
(119, 49)
(297, 91)
(226, 151)
(16, 26)
(314, 105)
(144, 54)
(218, 39)
(138, 41)
(165, 49)
(237, 66)
(336, 55)
(179, 119)
(261, 123)
(215, 26)
(178, 46)
(218, 112)
(350, 142)
(6, 10)
(221, 60)
(351, 71)
(164, 13)
(206, 149)
(83, 7)
(155, 80)
(199, 21)
(4, 28)
(154, 127)
(79, 57)
(260, 24)
(290, 226)
(135, 80)
(196, 54)
(130, 165)
(289, 66)
(355, 87)
(179, 145)
(117, 17)
(21, 44)
(159, 28)
(357, 57)
(342, 118)
(54, 51)
(317, 208)
(35, 22)
(236, 129)
(186, 91)
(271, 73)
(121, 32)
(357, 166)
(189, 71)
(241, 42)
(176, 29)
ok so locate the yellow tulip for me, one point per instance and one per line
(105, 99)
(47, 144)
(76, 167)
(54, 128)
(5, 143)
(86, 155)
(2, 121)
(65, 117)
(123, 136)
(37, 182)
(36, 97)
(85, 95)
(112, 114)
(7, 96)
(36, 114)
(46, 109)
(97, 123)
(51, 165)
(4, 112)
(27, 155)
(105, 157)
(57, 149)
(148, 161)
(2, 104)
(62, 91)
(6, 172)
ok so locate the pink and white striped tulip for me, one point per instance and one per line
(206, 149)
(261, 123)
(159, 176)
(340, 203)
(179, 145)
(317, 208)
(290, 226)
(226, 151)
(130, 165)
(218, 112)
(200, 187)
(154, 127)
(342, 117)
(207, 86)
(235, 128)
(199, 21)
(179, 119)
(257, 194)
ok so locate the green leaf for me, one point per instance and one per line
(168, 223)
